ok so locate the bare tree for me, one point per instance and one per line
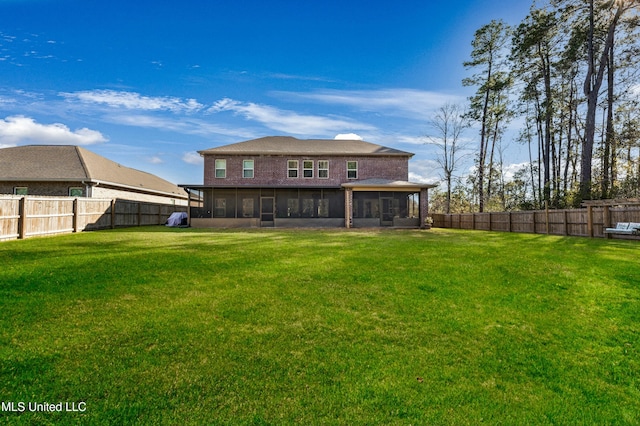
(448, 124)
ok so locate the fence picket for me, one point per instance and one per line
(587, 222)
(28, 216)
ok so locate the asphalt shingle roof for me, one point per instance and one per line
(74, 163)
(287, 145)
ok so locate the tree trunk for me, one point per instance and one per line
(592, 84)
(609, 135)
(483, 149)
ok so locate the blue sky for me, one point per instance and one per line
(149, 83)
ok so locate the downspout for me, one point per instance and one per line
(89, 187)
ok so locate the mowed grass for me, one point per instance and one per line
(185, 326)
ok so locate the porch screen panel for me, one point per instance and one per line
(335, 199)
(405, 204)
(206, 210)
(248, 203)
(224, 203)
(309, 202)
(366, 205)
(287, 203)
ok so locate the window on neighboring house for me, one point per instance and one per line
(247, 168)
(323, 169)
(221, 168)
(292, 168)
(307, 168)
(352, 170)
(20, 190)
(75, 192)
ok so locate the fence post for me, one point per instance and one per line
(139, 213)
(533, 220)
(189, 208)
(22, 221)
(546, 215)
(566, 223)
(510, 223)
(606, 216)
(113, 213)
(590, 221)
(75, 215)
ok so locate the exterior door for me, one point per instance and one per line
(267, 211)
(386, 211)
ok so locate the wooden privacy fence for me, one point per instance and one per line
(29, 216)
(587, 222)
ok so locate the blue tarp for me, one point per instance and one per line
(177, 219)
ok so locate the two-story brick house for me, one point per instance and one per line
(287, 182)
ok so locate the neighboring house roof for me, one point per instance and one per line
(58, 163)
(286, 145)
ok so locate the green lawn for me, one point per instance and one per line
(185, 326)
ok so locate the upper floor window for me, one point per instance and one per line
(352, 170)
(221, 168)
(247, 168)
(323, 169)
(307, 168)
(20, 190)
(292, 168)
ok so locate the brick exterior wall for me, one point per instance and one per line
(52, 189)
(61, 189)
(273, 170)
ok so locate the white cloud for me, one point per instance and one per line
(186, 126)
(192, 158)
(155, 160)
(135, 101)
(511, 169)
(348, 137)
(411, 140)
(19, 130)
(409, 103)
(424, 171)
(287, 121)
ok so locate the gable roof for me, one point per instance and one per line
(287, 145)
(57, 163)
